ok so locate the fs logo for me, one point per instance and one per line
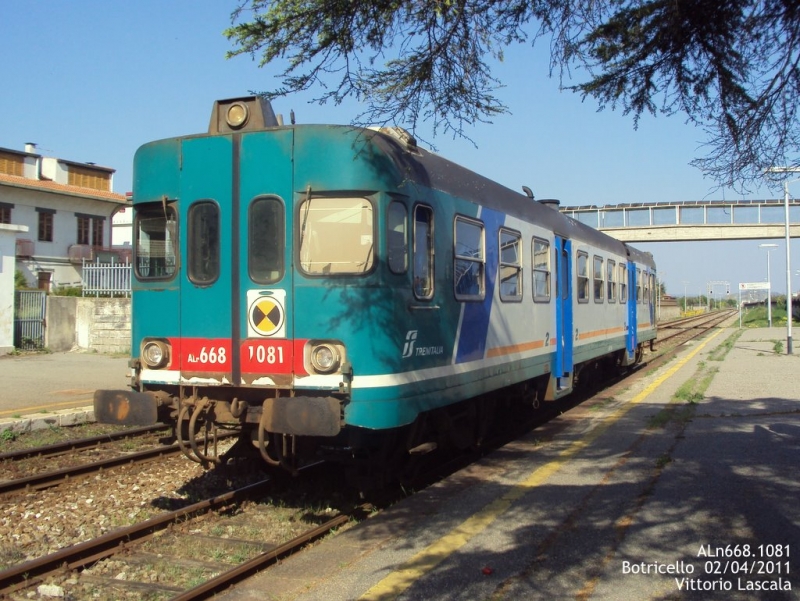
(408, 347)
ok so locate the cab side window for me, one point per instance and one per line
(423, 252)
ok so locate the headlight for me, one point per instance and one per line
(325, 358)
(155, 354)
(237, 114)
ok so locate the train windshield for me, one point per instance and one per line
(156, 236)
(336, 236)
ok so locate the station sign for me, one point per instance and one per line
(754, 286)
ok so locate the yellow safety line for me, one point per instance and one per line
(427, 559)
(29, 410)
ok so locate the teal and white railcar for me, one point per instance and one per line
(340, 292)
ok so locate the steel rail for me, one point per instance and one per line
(88, 552)
(56, 477)
(67, 446)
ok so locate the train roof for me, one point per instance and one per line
(427, 169)
(434, 171)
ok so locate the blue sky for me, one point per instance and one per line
(92, 80)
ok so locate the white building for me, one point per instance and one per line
(68, 208)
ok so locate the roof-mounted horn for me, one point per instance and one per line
(241, 114)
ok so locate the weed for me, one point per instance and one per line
(8, 436)
(719, 353)
(777, 347)
(663, 460)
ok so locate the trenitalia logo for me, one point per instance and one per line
(408, 347)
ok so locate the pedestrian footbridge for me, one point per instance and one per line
(691, 220)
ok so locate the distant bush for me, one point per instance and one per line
(20, 282)
(67, 291)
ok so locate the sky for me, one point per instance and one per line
(92, 80)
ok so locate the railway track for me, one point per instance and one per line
(129, 542)
(699, 324)
(78, 444)
(219, 574)
(55, 477)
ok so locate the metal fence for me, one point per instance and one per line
(29, 311)
(106, 279)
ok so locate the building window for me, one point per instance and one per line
(83, 229)
(541, 270)
(583, 277)
(45, 224)
(97, 231)
(468, 272)
(90, 230)
(510, 265)
(5, 212)
(89, 178)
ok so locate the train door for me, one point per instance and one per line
(562, 371)
(223, 324)
(630, 335)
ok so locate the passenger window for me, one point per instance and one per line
(583, 277)
(397, 237)
(336, 236)
(597, 272)
(611, 281)
(623, 283)
(203, 243)
(638, 285)
(156, 231)
(541, 270)
(266, 240)
(510, 265)
(423, 252)
(468, 271)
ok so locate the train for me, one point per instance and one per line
(339, 293)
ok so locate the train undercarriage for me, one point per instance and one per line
(288, 432)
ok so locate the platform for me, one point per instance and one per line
(641, 496)
(40, 390)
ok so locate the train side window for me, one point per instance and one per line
(510, 265)
(582, 272)
(623, 283)
(397, 237)
(266, 239)
(611, 281)
(541, 270)
(597, 274)
(156, 231)
(202, 248)
(654, 287)
(646, 284)
(469, 258)
(335, 236)
(423, 252)
(638, 285)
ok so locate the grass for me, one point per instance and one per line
(758, 317)
(681, 408)
(719, 353)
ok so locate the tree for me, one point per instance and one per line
(731, 66)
